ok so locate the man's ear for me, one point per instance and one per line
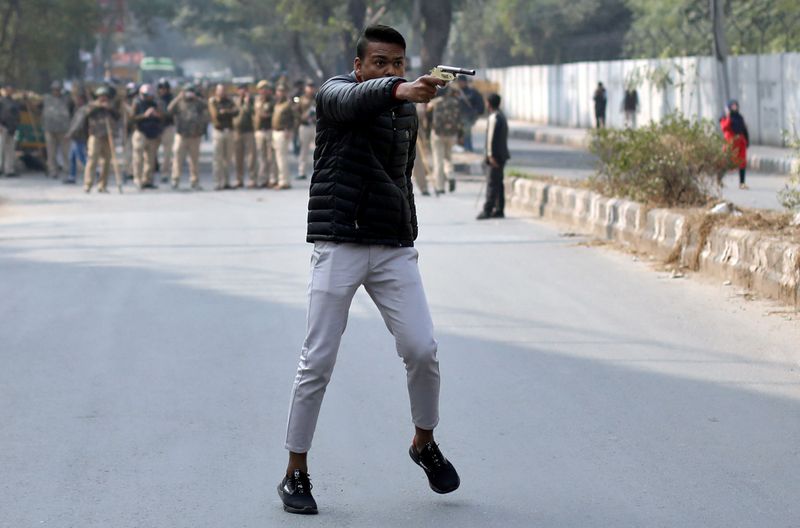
(357, 67)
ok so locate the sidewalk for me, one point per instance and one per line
(759, 158)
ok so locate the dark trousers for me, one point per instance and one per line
(495, 191)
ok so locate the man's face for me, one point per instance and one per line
(242, 91)
(280, 94)
(219, 91)
(381, 59)
(309, 91)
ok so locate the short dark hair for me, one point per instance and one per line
(378, 33)
(494, 100)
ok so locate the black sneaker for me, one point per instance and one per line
(295, 492)
(451, 185)
(442, 476)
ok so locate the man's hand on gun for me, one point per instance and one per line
(424, 88)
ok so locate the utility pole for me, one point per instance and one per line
(721, 80)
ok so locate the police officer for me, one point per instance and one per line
(148, 119)
(283, 122)
(222, 110)
(167, 139)
(244, 143)
(9, 121)
(190, 114)
(307, 111)
(101, 118)
(262, 122)
(127, 129)
(56, 113)
(445, 125)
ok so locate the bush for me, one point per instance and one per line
(675, 162)
(790, 195)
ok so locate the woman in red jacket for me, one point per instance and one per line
(735, 131)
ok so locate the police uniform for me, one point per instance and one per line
(283, 121)
(146, 139)
(55, 120)
(445, 125)
(167, 139)
(191, 120)
(222, 111)
(244, 143)
(100, 120)
(262, 121)
(306, 131)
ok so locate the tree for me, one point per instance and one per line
(40, 39)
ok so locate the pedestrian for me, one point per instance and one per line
(267, 171)
(471, 103)
(363, 224)
(306, 110)
(101, 118)
(148, 120)
(735, 131)
(283, 125)
(630, 105)
(496, 157)
(446, 123)
(57, 111)
(190, 114)
(244, 142)
(600, 101)
(222, 110)
(78, 134)
(9, 121)
(167, 139)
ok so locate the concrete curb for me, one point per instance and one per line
(775, 164)
(750, 259)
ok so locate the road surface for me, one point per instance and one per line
(149, 341)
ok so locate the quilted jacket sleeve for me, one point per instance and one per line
(342, 99)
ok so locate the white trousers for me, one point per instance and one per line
(391, 277)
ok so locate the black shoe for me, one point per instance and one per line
(295, 492)
(498, 214)
(426, 193)
(452, 185)
(300, 177)
(483, 216)
(442, 476)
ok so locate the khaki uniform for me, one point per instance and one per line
(146, 139)
(191, 121)
(306, 132)
(55, 120)
(9, 121)
(283, 121)
(222, 112)
(445, 125)
(167, 140)
(244, 142)
(99, 121)
(267, 169)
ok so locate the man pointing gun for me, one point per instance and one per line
(363, 223)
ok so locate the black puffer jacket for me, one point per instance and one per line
(361, 187)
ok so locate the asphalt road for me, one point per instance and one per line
(148, 343)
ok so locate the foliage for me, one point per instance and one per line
(683, 27)
(39, 39)
(675, 162)
(789, 196)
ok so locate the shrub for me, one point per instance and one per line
(789, 196)
(674, 162)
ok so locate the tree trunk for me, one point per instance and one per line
(437, 16)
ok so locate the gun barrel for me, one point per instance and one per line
(456, 71)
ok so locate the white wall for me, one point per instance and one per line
(767, 87)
